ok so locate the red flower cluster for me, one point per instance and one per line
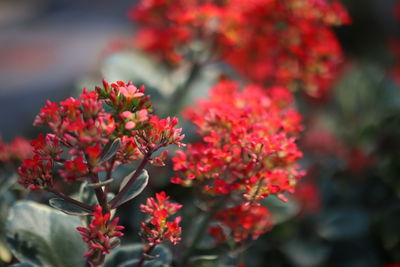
(157, 229)
(248, 144)
(83, 128)
(99, 235)
(241, 223)
(267, 41)
(17, 150)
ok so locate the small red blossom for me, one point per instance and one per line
(93, 153)
(74, 169)
(101, 235)
(36, 173)
(157, 228)
(241, 223)
(48, 147)
(161, 133)
(128, 151)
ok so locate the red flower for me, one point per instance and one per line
(48, 147)
(36, 173)
(74, 169)
(160, 133)
(157, 228)
(241, 223)
(101, 235)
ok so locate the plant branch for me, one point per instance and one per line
(117, 198)
(180, 93)
(143, 257)
(100, 195)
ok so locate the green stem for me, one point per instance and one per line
(197, 237)
(117, 198)
(177, 98)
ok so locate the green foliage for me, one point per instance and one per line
(128, 255)
(41, 236)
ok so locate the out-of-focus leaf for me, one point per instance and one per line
(41, 236)
(125, 256)
(343, 223)
(281, 211)
(138, 186)
(137, 66)
(6, 201)
(68, 207)
(110, 150)
(306, 253)
(6, 182)
(22, 265)
(5, 254)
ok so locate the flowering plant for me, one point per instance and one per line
(243, 156)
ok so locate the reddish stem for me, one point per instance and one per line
(143, 258)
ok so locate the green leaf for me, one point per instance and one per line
(138, 186)
(22, 265)
(41, 236)
(281, 211)
(343, 223)
(306, 253)
(128, 255)
(109, 151)
(68, 207)
(6, 182)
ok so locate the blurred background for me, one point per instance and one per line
(346, 212)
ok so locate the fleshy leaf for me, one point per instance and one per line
(41, 236)
(138, 186)
(109, 151)
(68, 207)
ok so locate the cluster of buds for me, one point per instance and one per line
(101, 236)
(83, 128)
(157, 229)
(248, 146)
(268, 42)
(241, 223)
